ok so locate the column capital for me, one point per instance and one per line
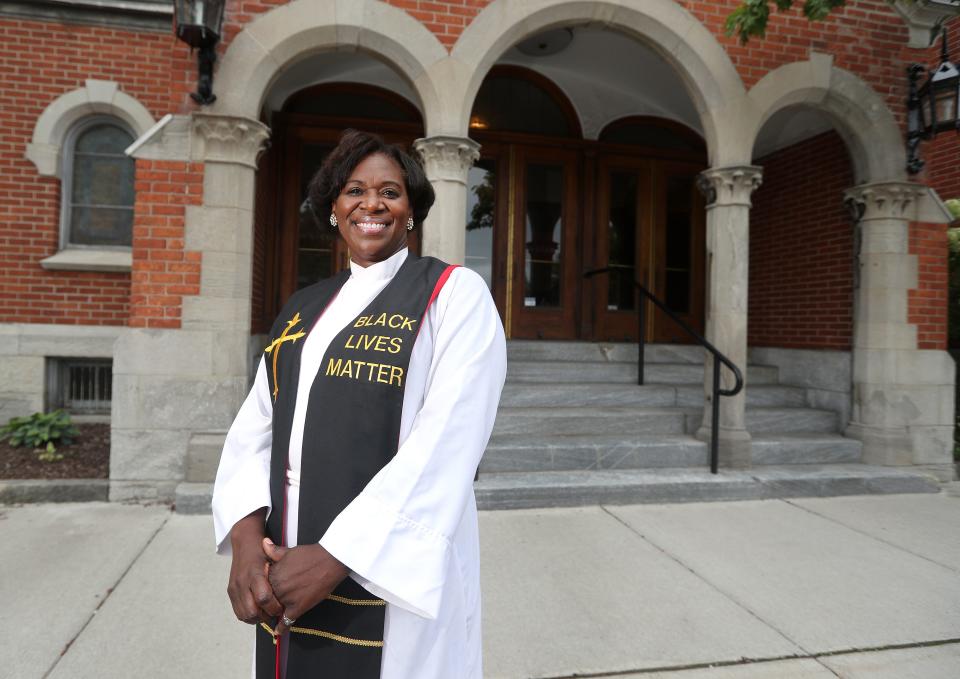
(447, 158)
(229, 139)
(729, 185)
(884, 200)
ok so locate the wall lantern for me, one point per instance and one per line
(933, 106)
(198, 23)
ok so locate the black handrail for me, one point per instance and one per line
(718, 358)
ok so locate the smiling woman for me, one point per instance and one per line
(345, 486)
(374, 193)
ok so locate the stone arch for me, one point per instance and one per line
(54, 124)
(291, 32)
(858, 113)
(702, 64)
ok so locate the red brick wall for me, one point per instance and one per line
(801, 249)
(163, 272)
(40, 61)
(927, 305)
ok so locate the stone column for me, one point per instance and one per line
(902, 396)
(728, 191)
(177, 390)
(447, 161)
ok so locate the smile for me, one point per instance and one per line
(368, 227)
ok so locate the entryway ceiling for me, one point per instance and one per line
(605, 74)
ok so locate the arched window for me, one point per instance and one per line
(98, 184)
(516, 99)
(653, 133)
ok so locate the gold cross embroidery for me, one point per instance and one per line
(284, 337)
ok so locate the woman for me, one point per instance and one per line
(355, 556)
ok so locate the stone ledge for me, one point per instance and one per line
(58, 490)
(193, 498)
(77, 259)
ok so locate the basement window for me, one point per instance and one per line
(81, 386)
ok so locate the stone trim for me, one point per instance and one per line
(860, 115)
(896, 200)
(447, 158)
(281, 36)
(90, 259)
(96, 96)
(149, 15)
(921, 17)
(724, 186)
(229, 139)
(883, 200)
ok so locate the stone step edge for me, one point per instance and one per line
(671, 485)
(32, 491)
(686, 485)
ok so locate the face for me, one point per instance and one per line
(372, 210)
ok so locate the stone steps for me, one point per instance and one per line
(599, 394)
(639, 420)
(552, 372)
(615, 352)
(524, 490)
(574, 428)
(532, 453)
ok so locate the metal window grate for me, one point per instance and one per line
(83, 386)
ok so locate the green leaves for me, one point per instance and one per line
(41, 431)
(751, 17)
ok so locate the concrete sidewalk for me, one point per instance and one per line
(849, 587)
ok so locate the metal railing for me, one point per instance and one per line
(718, 358)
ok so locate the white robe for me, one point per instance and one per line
(411, 536)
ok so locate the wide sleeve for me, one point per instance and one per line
(395, 536)
(243, 477)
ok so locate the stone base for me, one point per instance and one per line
(162, 492)
(733, 447)
(944, 473)
(888, 447)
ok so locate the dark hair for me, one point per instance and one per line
(353, 148)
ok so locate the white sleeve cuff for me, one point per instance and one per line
(245, 493)
(399, 560)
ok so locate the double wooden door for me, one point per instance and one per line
(539, 218)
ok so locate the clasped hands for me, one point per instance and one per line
(269, 582)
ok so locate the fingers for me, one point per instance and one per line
(264, 597)
(286, 621)
(273, 552)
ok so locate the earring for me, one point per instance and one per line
(333, 220)
(410, 224)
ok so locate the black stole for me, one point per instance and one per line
(352, 430)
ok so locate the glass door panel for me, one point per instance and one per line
(679, 250)
(543, 236)
(481, 217)
(623, 244)
(316, 241)
(623, 199)
(543, 226)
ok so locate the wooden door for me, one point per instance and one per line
(623, 233)
(649, 228)
(542, 254)
(678, 250)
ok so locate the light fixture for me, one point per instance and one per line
(933, 106)
(199, 23)
(547, 43)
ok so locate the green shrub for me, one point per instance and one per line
(42, 431)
